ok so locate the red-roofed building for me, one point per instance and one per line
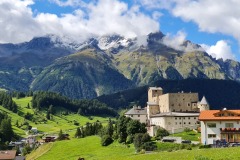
(220, 125)
(8, 155)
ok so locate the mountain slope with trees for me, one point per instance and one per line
(219, 93)
(104, 65)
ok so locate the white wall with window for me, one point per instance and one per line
(210, 130)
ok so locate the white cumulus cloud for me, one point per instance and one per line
(211, 16)
(18, 22)
(178, 42)
(220, 50)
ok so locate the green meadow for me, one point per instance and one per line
(90, 148)
(190, 135)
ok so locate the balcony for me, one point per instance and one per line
(230, 130)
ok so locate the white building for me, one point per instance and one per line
(137, 113)
(219, 125)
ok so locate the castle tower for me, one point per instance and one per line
(203, 105)
(153, 100)
(154, 93)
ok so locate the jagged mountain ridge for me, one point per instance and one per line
(103, 65)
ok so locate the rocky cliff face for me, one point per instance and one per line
(102, 65)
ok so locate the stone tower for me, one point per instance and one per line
(203, 105)
(153, 100)
(154, 93)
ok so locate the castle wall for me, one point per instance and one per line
(178, 102)
(164, 103)
(173, 123)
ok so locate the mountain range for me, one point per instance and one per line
(104, 65)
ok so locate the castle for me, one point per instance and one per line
(172, 111)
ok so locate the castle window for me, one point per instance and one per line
(175, 118)
(194, 117)
(189, 122)
(179, 117)
(131, 115)
(189, 117)
(138, 115)
(180, 123)
(183, 117)
(173, 110)
(184, 123)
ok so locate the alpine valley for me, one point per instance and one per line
(104, 65)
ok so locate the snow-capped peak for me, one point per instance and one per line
(113, 41)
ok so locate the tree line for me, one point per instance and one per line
(7, 102)
(44, 99)
(6, 131)
(124, 130)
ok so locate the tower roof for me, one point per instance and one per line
(204, 101)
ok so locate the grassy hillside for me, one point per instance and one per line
(57, 122)
(90, 148)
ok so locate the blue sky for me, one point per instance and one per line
(213, 24)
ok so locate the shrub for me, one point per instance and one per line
(76, 123)
(161, 132)
(189, 148)
(169, 150)
(106, 140)
(201, 158)
(142, 151)
(167, 145)
(149, 146)
(187, 129)
(182, 146)
(129, 139)
(205, 146)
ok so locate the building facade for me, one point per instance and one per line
(137, 113)
(172, 111)
(220, 125)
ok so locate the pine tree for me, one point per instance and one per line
(28, 105)
(60, 135)
(6, 129)
(48, 115)
(110, 128)
(78, 133)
